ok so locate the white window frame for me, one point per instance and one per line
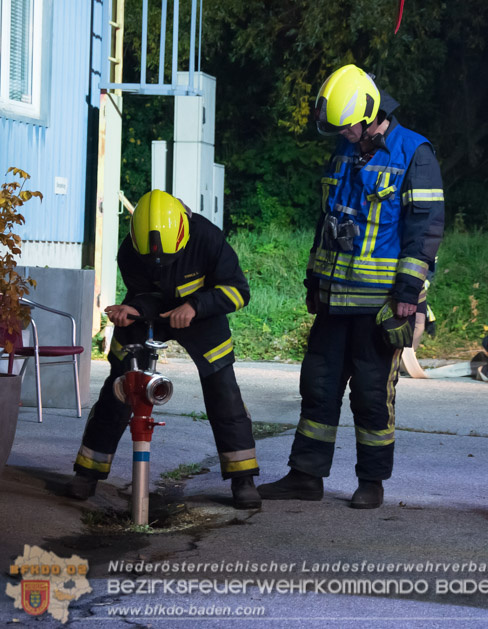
(35, 111)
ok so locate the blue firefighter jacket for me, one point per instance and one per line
(396, 210)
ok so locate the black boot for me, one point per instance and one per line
(368, 495)
(81, 487)
(294, 486)
(244, 493)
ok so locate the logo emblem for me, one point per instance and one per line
(63, 580)
(35, 596)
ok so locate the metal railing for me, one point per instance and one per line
(109, 28)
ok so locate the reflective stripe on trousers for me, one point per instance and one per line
(347, 349)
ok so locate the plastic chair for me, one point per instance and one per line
(37, 351)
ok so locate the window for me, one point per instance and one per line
(23, 58)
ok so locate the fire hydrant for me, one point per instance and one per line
(142, 390)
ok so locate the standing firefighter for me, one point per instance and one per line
(177, 265)
(378, 233)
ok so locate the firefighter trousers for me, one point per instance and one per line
(342, 349)
(209, 344)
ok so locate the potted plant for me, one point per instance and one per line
(13, 286)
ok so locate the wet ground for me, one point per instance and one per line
(432, 528)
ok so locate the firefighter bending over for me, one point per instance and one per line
(177, 265)
(378, 233)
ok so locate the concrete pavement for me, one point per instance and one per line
(431, 532)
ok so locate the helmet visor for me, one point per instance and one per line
(323, 126)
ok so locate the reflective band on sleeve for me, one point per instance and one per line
(186, 289)
(316, 430)
(375, 437)
(423, 194)
(414, 267)
(234, 295)
(218, 352)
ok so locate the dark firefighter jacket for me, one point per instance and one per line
(412, 216)
(207, 275)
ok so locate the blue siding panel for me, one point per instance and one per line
(58, 149)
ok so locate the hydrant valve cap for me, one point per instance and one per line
(159, 390)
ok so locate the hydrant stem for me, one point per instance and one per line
(140, 481)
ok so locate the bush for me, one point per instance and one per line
(275, 324)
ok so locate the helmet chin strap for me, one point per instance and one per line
(378, 138)
(365, 135)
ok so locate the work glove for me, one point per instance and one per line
(397, 332)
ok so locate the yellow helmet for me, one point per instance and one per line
(159, 226)
(347, 96)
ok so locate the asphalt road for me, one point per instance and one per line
(419, 561)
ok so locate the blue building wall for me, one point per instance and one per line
(58, 149)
